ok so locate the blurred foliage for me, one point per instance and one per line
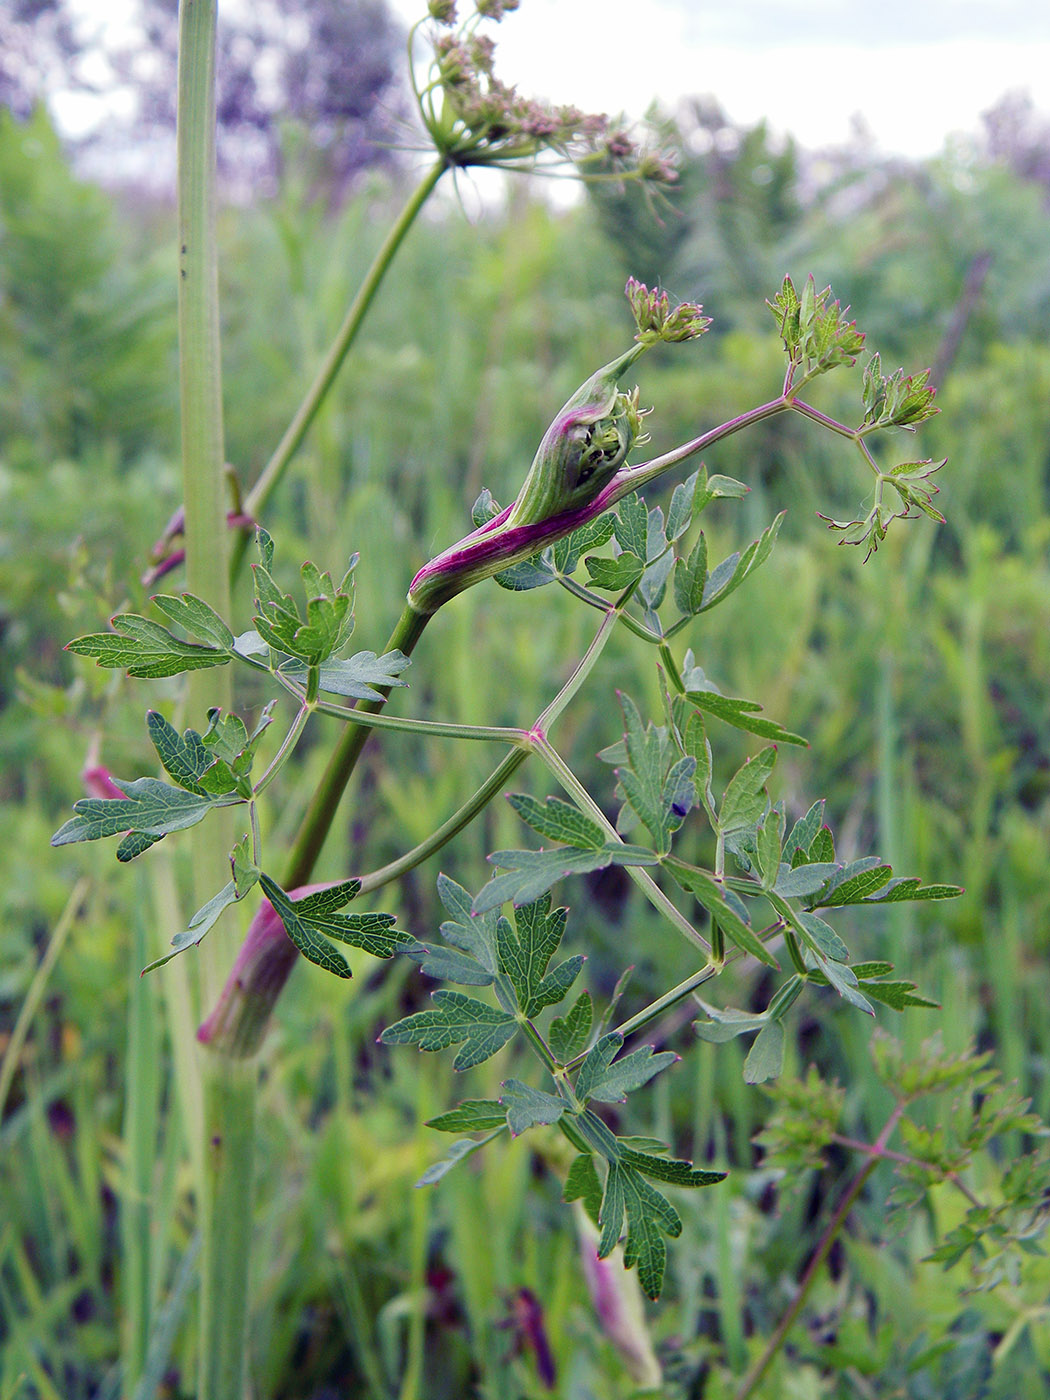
(930, 740)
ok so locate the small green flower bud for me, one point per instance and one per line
(657, 321)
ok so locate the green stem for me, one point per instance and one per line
(333, 360)
(200, 382)
(230, 1087)
(645, 882)
(462, 817)
(321, 811)
(831, 1233)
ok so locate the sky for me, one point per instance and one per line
(917, 72)
(914, 71)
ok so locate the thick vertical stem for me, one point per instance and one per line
(229, 1085)
(200, 382)
(230, 1092)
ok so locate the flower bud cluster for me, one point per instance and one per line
(475, 119)
(658, 321)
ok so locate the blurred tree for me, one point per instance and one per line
(327, 69)
(39, 49)
(327, 66)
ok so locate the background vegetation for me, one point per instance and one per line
(920, 681)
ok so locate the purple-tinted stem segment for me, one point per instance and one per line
(238, 1024)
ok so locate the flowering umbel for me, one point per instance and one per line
(474, 119)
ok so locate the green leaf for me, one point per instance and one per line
(525, 955)
(614, 575)
(800, 880)
(727, 577)
(149, 806)
(146, 650)
(559, 820)
(912, 888)
(202, 922)
(195, 616)
(609, 1080)
(530, 874)
(454, 1019)
(769, 837)
(472, 934)
(470, 1116)
(741, 714)
(569, 551)
(745, 800)
(854, 883)
(682, 509)
(569, 1033)
(804, 833)
(184, 757)
(705, 888)
(313, 946)
(766, 1057)
(661, 797)
(529, 573)
(895, 994)
(134, 844)
(631, 527)
(361, 676)
(820, 936)
(671, 1170)
(582, 1184)
(690, 579)
(725, 488)
(727, 1023)
(449, 964)
(458, 1152)
(529, 1108)
(650, 1216)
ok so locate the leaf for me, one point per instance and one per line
(731, 573)
(559, 820)
(582, 1184)
(896, 995)
(631, 527)
(804, 832)
(195, 616)
(741, 714)
(912, 888)
(569, 551)
(712, 896)
(744, 799)
(854, 883)
(310, 943)
(202, 922)
(149, 806)
(725, 1024)
(457, 1152)
(671, 1170)
(475, 936)
(184, 757)
(609, 1080)
(661, 799)
(360, 677)
(529, 1108)
(801, 880)
(329, 613)
(821, 937)
(470, 1116)
(530, 874)
(682, 508)
(449, 964)
(455, 1018)
(614, 575)
(769, 838)
(690, 579)
(766, 1057)
(569, 1033)
(650, 1216)
(525, 955)
(145, 649)
(528, 574)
